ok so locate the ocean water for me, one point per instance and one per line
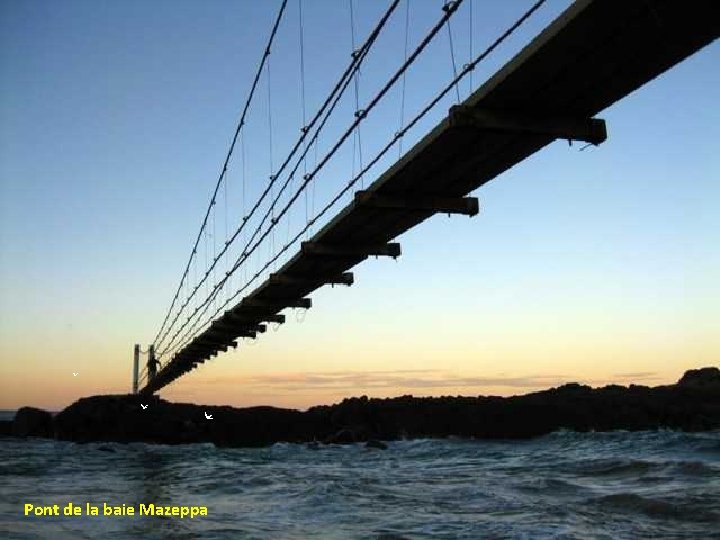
(564, 485)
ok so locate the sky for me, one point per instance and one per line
(597, 266)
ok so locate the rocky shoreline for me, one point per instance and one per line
(693, 404)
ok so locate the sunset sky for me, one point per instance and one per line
(598, 266)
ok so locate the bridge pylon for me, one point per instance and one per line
(152, 364)
(136, 366)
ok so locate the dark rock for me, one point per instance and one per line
(692, 405)
(32, 422)
(372, 443)
(122, 419)
(701, 377)
(344, 436)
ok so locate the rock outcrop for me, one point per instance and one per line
(32, 422)
(122, 418)
(709, 376)
(692, 405)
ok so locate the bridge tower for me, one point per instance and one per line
(136, 365)
(151, 363)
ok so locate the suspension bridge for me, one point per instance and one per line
(593, 54)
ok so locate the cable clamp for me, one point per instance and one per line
(360, 113)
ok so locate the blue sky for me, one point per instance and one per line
(115, 119)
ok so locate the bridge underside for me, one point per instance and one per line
(595, 53)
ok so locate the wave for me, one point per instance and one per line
(655, 508)
(615, 467)
(639, 467)
(628, 485)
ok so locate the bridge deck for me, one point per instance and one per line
(592, 55)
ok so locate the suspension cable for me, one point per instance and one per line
(358, 137)
(472, 49)
(270, 137)
(402, 101)
(240, 125)
(302, 92)
(466, 70)
(452, 52)
(248, 250)
(245, 253)
(327, 108)
(448, 12)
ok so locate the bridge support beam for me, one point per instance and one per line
(201, 350)
(467, 206)
(223, 328)
(316, 248)
(278, 319)
(590, 130)
(219, 335)
(280, 303)
(231, 316)
(346, 278)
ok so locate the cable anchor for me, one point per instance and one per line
(450, 6)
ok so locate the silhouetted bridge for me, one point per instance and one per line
(592, 55)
